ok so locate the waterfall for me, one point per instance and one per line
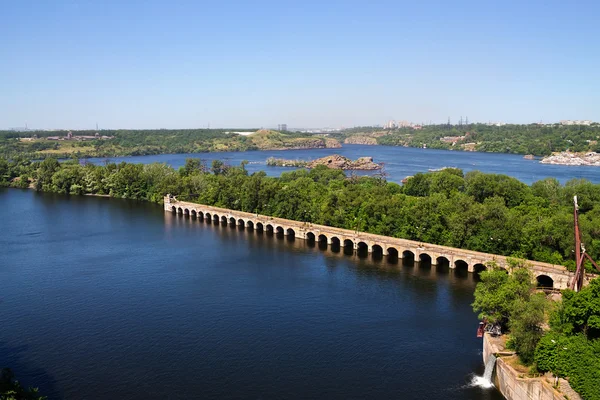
(485, 381)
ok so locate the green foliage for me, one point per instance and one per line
(572, 347)
(499, 294)
(10, 389)
(527, 317)
(540, 140)
(481, 212)
(510, 301)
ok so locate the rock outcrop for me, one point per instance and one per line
(568, 158)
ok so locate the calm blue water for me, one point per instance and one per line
(109, 299)
(399, 161)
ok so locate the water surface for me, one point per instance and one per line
(106, 298)
(399, 162)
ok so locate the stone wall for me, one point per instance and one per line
(383, 244)
(514, 387)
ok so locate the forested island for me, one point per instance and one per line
(534, 139)
(484, 212)
(333, 161)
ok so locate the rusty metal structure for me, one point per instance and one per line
(580, 254)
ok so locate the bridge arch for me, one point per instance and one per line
(377, 251)
(461, 265)
(310, 237)
(200, 215)
(335, 241)
(348, 243)
(241, 222)
(479, 267)
(269, 228)
(392, 253)
(322, 238)
(174, 209)
(544, 281)
(291, 233)
(216, 218)
(250, 225)
(259, 227)
(408, 255)
(362, 247)
(224, 220)
(425, 258)
(208, 217)
(194, 214)
(180, 211)
(231, 220)
(279, 230)
(443, 264)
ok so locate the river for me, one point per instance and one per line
(399, 162)
(107, 298)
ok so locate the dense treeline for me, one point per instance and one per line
(569, 348)
(146, 142)
(518, 139)
(484, 212)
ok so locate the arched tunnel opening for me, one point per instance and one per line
(544, 282)
(443, 265)
(377, 252)
(362, 249)
(478, 269)
(392, 255)
(348, 247)
(424, 261)
(290, 234)
(335, 244)
(461, 269)
(408, 258)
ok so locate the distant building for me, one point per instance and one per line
(80, 138)
(586, 122)
(391, 124)
(282, 127)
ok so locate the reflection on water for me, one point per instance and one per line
(108, 298)
(376, 263)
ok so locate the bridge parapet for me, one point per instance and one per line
(470, 260)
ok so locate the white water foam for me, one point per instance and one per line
(485, 381)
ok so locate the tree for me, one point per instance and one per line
(527, 317)
(10, 389)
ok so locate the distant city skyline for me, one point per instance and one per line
(234, 64)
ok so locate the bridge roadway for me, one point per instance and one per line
(555, 276)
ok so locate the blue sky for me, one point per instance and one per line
(186, 64)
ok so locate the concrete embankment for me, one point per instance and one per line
(514, 385)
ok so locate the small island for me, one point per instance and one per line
(569, 158)
(334, 161)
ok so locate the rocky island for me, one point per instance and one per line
(334, 161)
(569, 158)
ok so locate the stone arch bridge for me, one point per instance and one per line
(547, 275)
